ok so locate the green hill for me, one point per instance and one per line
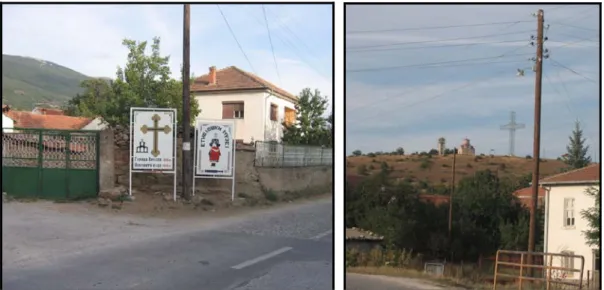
(27, 81)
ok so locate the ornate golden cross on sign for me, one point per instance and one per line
(156, 129)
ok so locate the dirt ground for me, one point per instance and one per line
(161, 204)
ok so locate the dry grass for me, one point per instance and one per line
(438, 169)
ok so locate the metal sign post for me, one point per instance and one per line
(152, 142)
(214, 151)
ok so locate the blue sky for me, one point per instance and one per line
(87, 38)
(412, 104)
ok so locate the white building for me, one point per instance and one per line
(258, 107)
(7, 123)
(565, 198)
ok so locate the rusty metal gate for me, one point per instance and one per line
(50, 164)
(551, 271)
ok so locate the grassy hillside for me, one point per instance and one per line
(437, 170)
(26, 81)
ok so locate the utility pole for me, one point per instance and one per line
(186, 106)
(537, 135)
(451, 199)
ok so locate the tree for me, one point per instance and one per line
(357, 153)
(400, 151)
(433, 152)
(310, 128)
(144, 82)
(577, 150)
(593, 217)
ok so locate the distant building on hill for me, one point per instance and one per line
(466, 148)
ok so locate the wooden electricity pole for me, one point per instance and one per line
(186, 106)
(451, 199)
(537, 135)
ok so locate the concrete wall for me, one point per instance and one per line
(559, 238)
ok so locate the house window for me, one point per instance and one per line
(568, 263)
(232, 110)
(569, 212)
(290, 116)
(274, 113)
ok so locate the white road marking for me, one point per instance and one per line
(322, 235)
(261, 258)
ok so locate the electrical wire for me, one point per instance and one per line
(571, 70)
(236, 40)
(436, 46)
(430, 64)
(434, 27)
(441, 40)
(271, 42)
(295, 50)
(412, 90)
(574, 26)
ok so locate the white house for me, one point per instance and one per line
(7, 123)
(257, 106)
(565, 198)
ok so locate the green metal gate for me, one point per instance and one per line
(50, 164)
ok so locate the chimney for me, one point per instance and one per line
(212, 75)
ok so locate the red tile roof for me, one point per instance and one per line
(48, 111)
(588, 174)
(434, 198)
(233, 78)
(30, 120)
(528, 192)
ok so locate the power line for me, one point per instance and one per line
(296, 51)
(282, 24)
(429, 64)
(436, 46)
(434, 27)
(571, 70)
(271, 42)
(574, 26)
(442, 40)
(236, 40)
(415, 89)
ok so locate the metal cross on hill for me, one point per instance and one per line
(512, 126)
(155, 129)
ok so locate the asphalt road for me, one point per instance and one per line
(288, 248)
(370, 282)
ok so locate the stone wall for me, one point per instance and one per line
(249, 180)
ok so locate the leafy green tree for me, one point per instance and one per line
(357, 153)
(577, 150)
(310, 128)
(400, 151)
(593, 217)
(144, 82)
(433, 152)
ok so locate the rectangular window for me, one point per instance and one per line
(569, 212)
(289, 115)
(568, 263)
(274, 112)
(232, 110)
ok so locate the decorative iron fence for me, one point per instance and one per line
(273, 154)
(50, 164)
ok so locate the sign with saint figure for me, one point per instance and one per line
(214, 148)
